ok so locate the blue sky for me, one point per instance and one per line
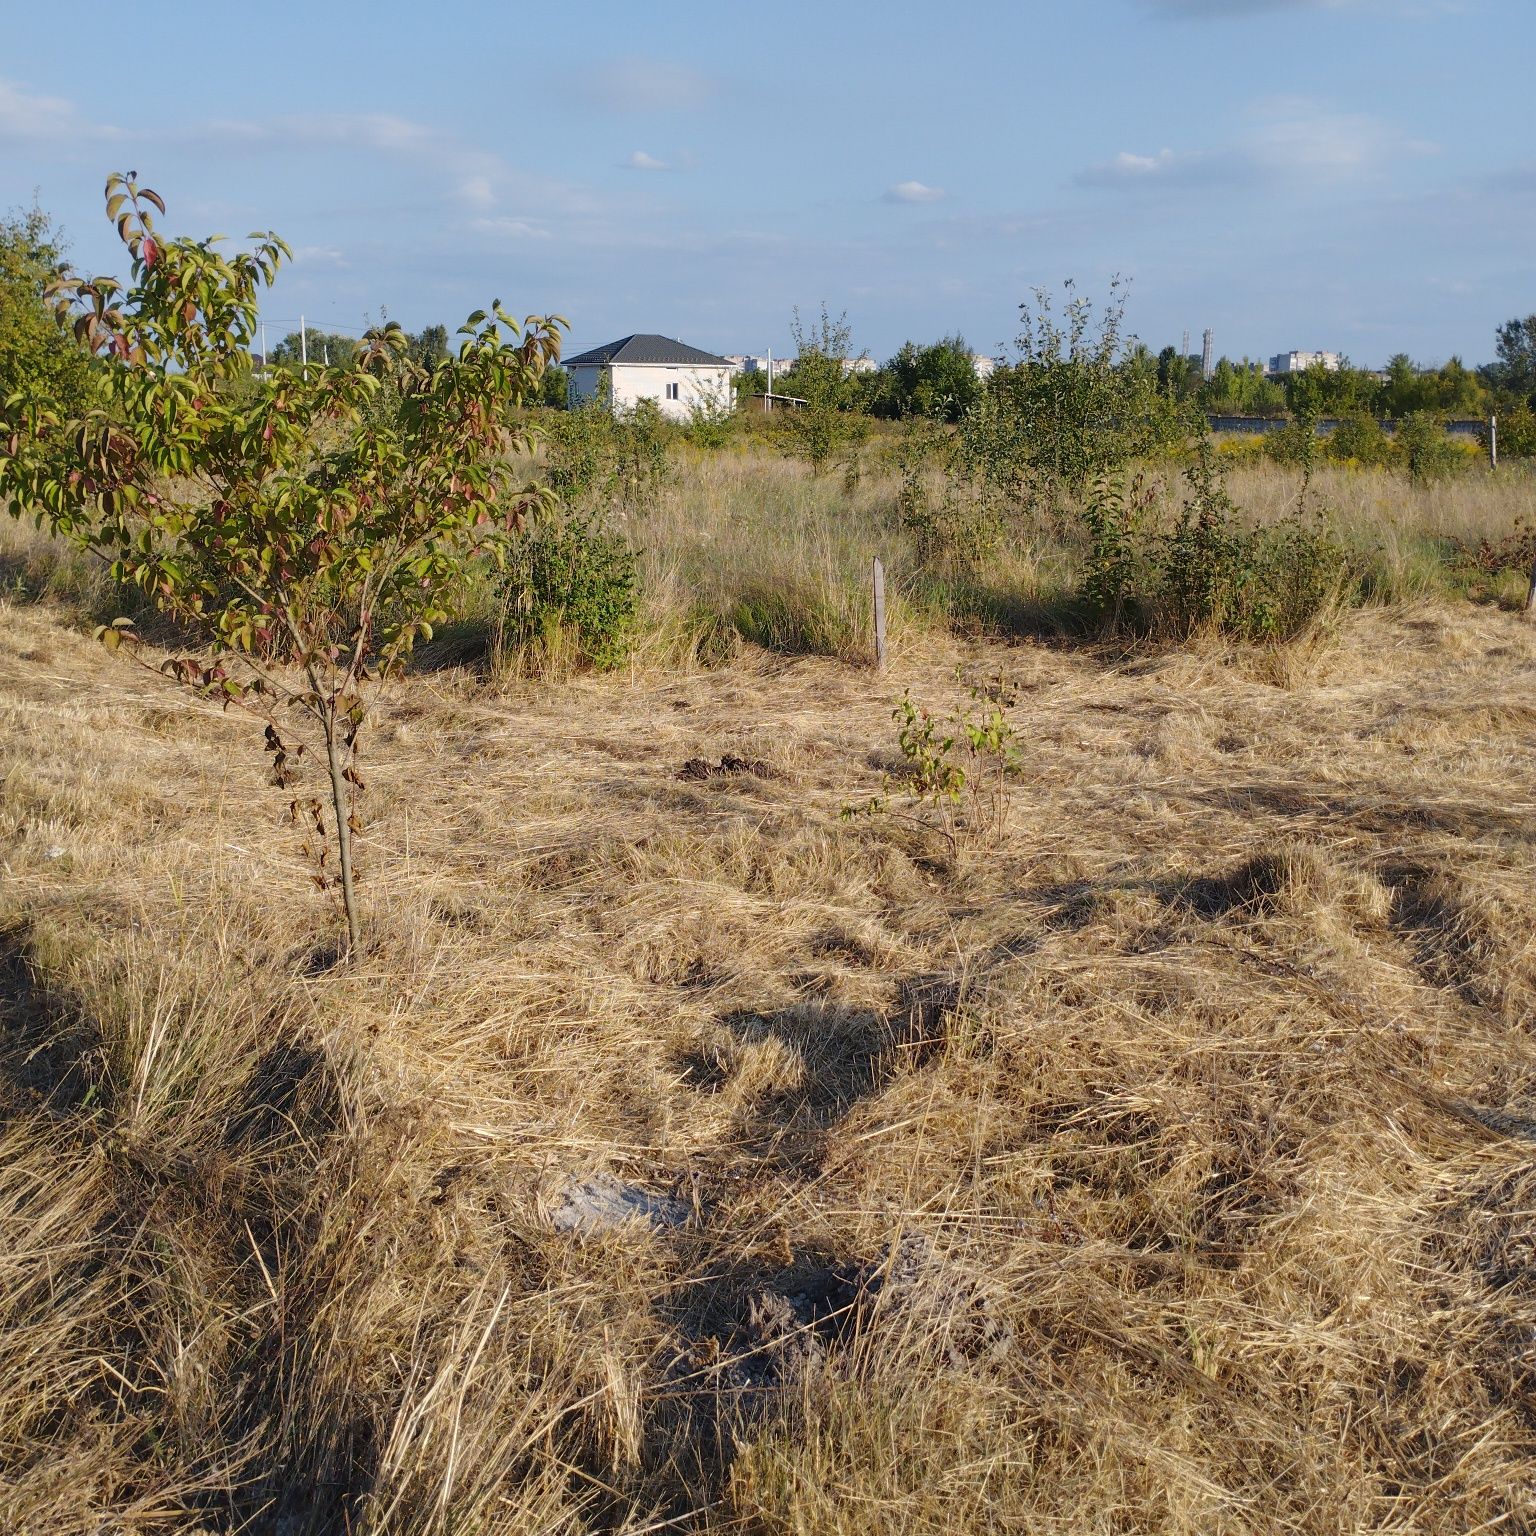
(1349, 174)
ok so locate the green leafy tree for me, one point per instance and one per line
(1517, 432)
(1312, 393)
(428, 347)
(827, 425)
(938, 381)
(750, 381)
(1241, 389)
(554, 388)
(1070, 409)
(1178, 374)
(37, 358)
(328, 348)
(308, 523)
(1452, 390)
(1514, 374)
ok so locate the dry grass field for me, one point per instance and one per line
(1164, 1162)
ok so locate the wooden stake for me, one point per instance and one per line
(1530, 594)
(879, 584)
(1493, 442)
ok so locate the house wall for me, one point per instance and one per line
(677, 390)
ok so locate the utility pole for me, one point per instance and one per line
(303, 343)
(768, 398)
(263, 346)
(1493, 442)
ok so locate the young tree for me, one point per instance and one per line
(1241, 389)
(1515, 371)
(825, 425)
(429, 346)
(308, 523)
(325, 347)
(938, 380)
(1071, 408)
(36, 357)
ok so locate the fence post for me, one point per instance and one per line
(878, 575)
(1493, 442)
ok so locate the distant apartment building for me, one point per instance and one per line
(983, 364)
(1299, 362)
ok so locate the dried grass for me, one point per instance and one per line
(1166, 1165)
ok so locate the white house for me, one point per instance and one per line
(679, 378)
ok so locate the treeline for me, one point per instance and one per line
(426, 348)
(941, 381)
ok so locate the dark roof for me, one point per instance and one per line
(646, 349)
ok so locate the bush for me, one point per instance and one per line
(1208, 569)
(1360, 439)
(1425, 450)
(604, 461)
(961, 524)
(1071, 409)
(1517, 432)
(829, 426)
(570, 592)
(1295, 445)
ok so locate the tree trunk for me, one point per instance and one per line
(341, 807)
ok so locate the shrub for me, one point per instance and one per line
(1113, 514)
(710, 426)
(828, 426)
(1360, 439)
(1517, 432)
(570, 590)
(1070, 409)
(1425, 450)
(957, 774)
(605, 461)
(1201, 565)
(961, 524)
(1207, 569)
(1295, 445)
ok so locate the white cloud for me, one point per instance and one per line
(479, 180)
(26, 115)
(1166, 168)
(1285, 138)
(640, 161)
(478, 192)
(1294, 134)
(913, 192)
(319, 256)
(637, 84)
(510, 229)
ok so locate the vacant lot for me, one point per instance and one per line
(1164, 1162)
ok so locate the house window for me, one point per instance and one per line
(672, 392)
